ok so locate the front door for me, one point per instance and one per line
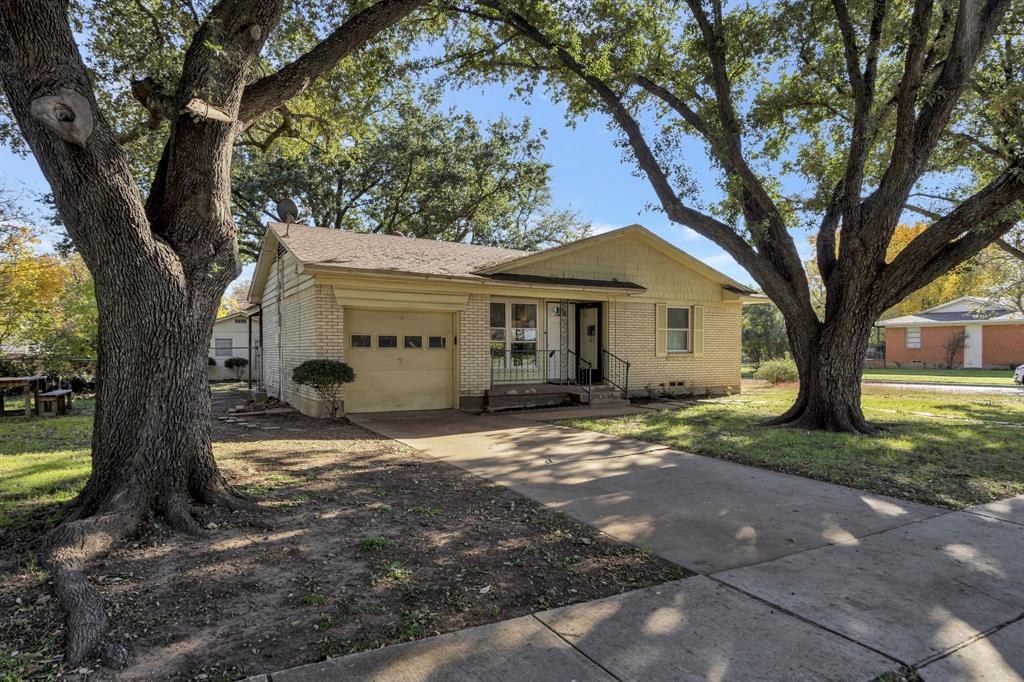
(588, 337)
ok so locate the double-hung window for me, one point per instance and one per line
(222, 348)
(513, 334)
(913, 337)
(678, 330)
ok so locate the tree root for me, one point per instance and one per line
(811, 422)
(221, 494)
(72, 545)
(80, 539)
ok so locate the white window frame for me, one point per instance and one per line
(688, 329)
(916, 331)
(219, 351)
(510, 331)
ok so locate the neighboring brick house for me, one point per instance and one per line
(432, 325)
(994, 336)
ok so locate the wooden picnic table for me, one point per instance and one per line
(30, 387)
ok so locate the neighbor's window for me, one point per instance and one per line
(513, 334)
(387, 341)
(913, 337)
(222, 348)
(413, 342)
(361, 341)
(678, 330)
(438, 341)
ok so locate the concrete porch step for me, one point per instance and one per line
(519, 396)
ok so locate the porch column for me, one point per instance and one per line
(563, 337)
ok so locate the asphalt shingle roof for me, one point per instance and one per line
(981, 315)
(369, 251)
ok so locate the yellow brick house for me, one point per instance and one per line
(438, 325)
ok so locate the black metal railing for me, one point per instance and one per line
(537, 365)
(616, 372)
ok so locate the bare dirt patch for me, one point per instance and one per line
(367, 543)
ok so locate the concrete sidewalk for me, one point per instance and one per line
(808, 581)
(692, 629)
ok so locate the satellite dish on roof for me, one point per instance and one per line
(287, 211)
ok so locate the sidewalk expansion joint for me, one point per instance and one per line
(575, 648)
(967, 642)
(786, 611)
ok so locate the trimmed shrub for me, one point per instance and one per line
(237, 365)
(326, 377)
(777, 371)
(211, 362)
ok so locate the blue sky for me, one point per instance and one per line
(588, 173)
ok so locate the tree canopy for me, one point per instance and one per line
(414, 169)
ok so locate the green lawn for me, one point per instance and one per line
(987, 377)
(957, 457)
(43, 461)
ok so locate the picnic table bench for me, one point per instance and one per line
(52, 403)
(30, 386)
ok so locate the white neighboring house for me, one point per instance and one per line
(231, 340)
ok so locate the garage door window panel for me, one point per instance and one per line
(387, 341)
(362, 341)
(439, 342)
(412, 342)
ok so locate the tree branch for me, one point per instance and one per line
(270, 92)
(763, 217)
(1010, 248)
(958, 232)
(916, 138)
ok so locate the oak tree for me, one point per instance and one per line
(160, 245)
(823, 115)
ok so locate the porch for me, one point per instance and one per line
(552, 352)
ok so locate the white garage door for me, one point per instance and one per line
(403, 360)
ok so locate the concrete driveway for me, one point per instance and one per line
(804, 579)
(706, 514)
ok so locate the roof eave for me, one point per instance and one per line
(472, 279)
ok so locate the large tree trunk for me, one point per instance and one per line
(151, 434)
(152, 426)
(830, 360)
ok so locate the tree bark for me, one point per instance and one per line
(830, 362)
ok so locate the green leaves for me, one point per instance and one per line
(412, 168)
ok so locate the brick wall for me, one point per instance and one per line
(474, 345)
(632, 336)
(932, 352)
(1003, 345)
(299, 343)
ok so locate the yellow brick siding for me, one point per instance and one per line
(631, 336)
(298, 333)
(474, 346)
(290, 338)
